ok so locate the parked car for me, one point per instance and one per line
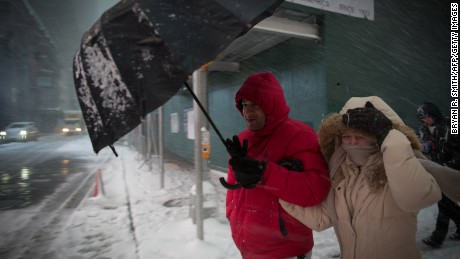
(20, 131)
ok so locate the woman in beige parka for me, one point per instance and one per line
(378, 185)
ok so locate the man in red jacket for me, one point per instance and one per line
(261, 229)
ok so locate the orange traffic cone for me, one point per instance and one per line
(98, 186)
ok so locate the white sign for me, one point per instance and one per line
(205, 137)
(190, 124)
(356, 8)
(174, 122)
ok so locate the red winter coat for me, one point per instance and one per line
(260, 227)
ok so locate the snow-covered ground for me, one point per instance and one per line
(136, 219)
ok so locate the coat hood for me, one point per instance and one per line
(264, 90)
(332, 127)
(427, 109)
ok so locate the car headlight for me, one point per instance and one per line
(2, 133)
(65, 130)
(78, 129)
(23, 132)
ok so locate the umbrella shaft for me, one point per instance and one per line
(205, 114)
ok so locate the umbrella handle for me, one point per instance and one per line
(229, 186)
(206, 114)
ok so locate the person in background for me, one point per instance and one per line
(443, 148)
(378, 185)
(279, 158)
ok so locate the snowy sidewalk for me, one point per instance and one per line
(136, 219)
(155, 223)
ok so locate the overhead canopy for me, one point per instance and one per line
(282, 25)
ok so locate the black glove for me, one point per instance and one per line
(288, 163)
(248, 171)
(234, 147)
(368, 119)
(292, 164)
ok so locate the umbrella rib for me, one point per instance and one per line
(205, 114)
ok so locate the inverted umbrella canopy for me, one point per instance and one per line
(140, 52)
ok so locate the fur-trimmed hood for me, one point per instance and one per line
(332, 127)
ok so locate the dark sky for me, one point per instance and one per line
(66, 22)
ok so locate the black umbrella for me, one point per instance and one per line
(140, 53)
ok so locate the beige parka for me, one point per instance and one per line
(382, 220)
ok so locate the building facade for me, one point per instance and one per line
(29, 72)
(402, 55)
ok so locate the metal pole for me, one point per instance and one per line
(153, 137)
(160, 147)
(149, 140)
(198, 77)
